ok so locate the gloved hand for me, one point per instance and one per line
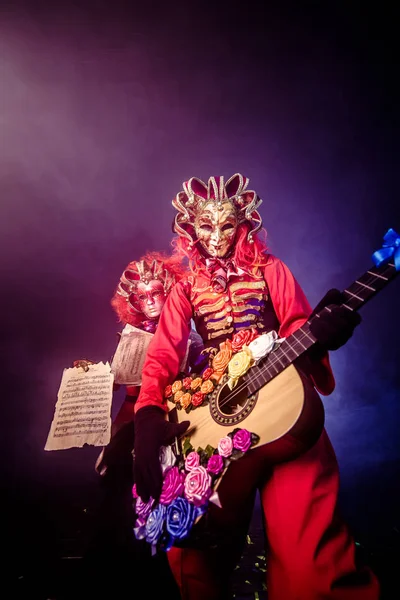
(332, 324)
(152, 431)
(119, 449)
(84, 363)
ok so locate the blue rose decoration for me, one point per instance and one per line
(181, 515)
(155, 524)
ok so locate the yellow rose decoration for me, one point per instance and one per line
(178, 395)
(186, 400)
(238, 366)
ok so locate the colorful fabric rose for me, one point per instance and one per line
(192, 460)
(207, 387)
(221, 359)
(207, 373)
(167, 458)
(155, 524)
(168, 391)
(196, 382)
(186, 383)
(172, 486)
(143, 509)
(225, 446)
(185, 400)
(215, 464)
(242, 440)
(262, 345)
(176, 386)
(178, 395)
(140, 528)
(197, 398)
(243, 338)
(179, 519)
(198, 486)
(239, 365)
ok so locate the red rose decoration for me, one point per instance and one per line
(243, 337)
(197, 399)
(168, 391)
(186, 382)
(207, 373)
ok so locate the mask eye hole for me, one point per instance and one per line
(227, 227)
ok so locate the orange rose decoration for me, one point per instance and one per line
(186, 400)
(196, 383)
(206, 387)
(178, 395)
(176, 386)
(221, 359)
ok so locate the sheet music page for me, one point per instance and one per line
(129, 356)
(83, 410)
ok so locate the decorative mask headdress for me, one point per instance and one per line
(196, 194)
(141, 271)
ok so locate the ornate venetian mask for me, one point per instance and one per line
(215, 227)
(149, 298)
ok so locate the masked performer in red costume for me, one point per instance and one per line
(235, 284)
(138, 301)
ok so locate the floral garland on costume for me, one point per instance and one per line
(234, 356)
(189, 480)
(190, 476)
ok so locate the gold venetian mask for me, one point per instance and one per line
(215, 227)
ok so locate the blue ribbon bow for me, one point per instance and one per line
(391, 247)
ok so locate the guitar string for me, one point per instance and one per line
(278, 359)
(239, 388)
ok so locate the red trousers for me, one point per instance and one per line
(310, 555)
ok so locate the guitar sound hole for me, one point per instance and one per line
(232, 402)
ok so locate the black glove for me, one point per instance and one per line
(152, 431)
(332, 324)
(119, 449)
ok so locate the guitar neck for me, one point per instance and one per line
(368, 285)
(357, 294)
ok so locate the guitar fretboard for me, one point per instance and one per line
(357, 294)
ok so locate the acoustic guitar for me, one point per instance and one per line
(275, 397)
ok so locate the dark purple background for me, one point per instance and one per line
(105, 111)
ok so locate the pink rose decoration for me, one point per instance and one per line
(198, 486)
(242, 440)
(215, 464)
(173, 485)
(143, 509)
(225, 446)
(192, 461)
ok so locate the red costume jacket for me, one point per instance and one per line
(271, 299)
